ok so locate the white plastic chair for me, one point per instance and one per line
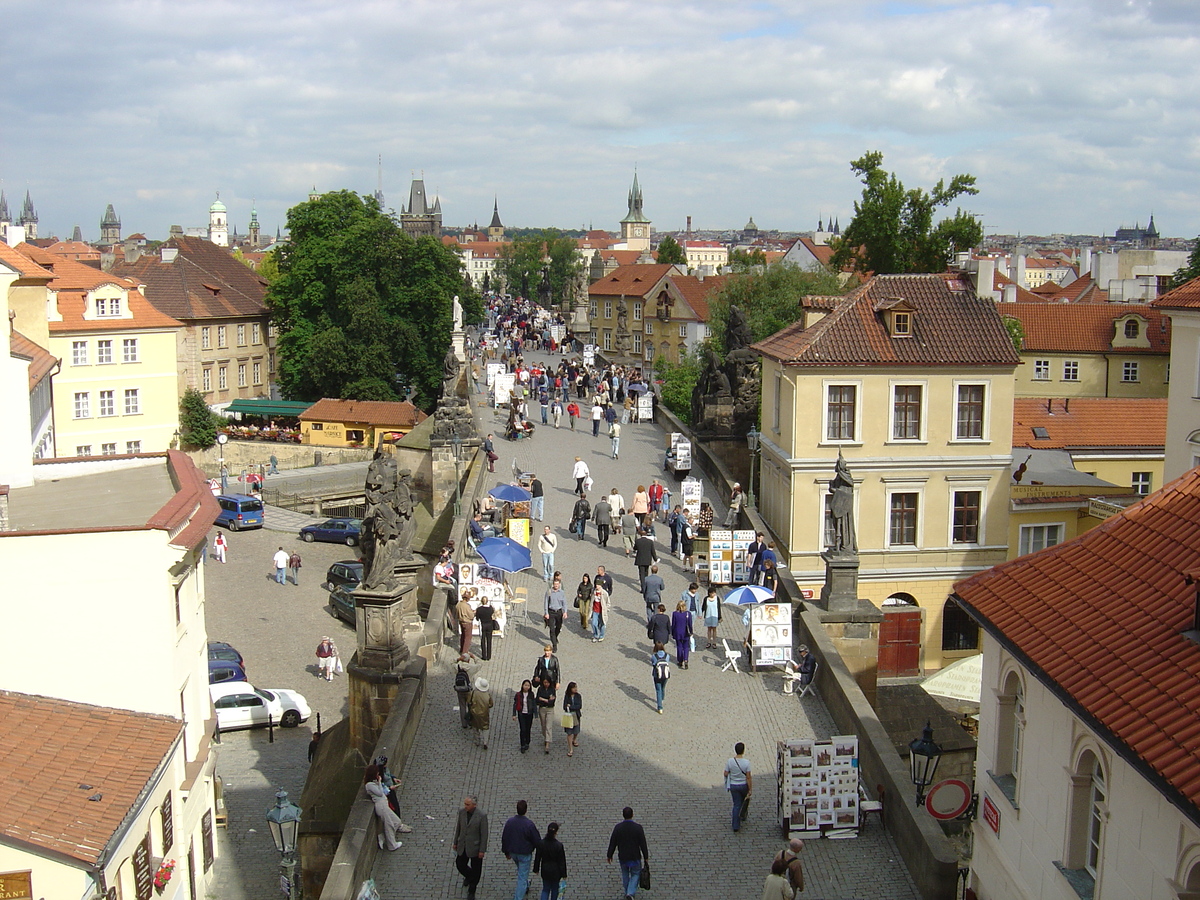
(731, 657)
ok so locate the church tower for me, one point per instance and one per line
(254, 228)
(635, 227)
(218, 223)
(5, 216)
(420, 219)
(110, 227)
(496, 229)
(28, 219)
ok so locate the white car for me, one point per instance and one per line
(240, 704)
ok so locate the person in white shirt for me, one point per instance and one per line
(280, 559)
(580, 473)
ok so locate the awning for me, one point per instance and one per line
(291, 408)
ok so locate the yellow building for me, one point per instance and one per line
(118, 389)
(356, 423)
(910, 377)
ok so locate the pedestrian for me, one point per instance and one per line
(617, 504)
(658, 627)
(280, 559)
(768, 555)
(550, 862)
(486, 617)
(580, 515)
(641, 504)
(691, 600)
(652, 589)
(740, 783)
(674, 521)
(644, 556)
(556, 609)
(580, 473)
(736, 500)
(544, 400)
(660, 671)
(220, 545)
(524, 709)
(603, 579)
(556, 410)
(518, 840)
(628, 530)
(224, 479)
(547, 544)
(572, 413)
(464, 672)
(597, 415)
(599, 612)
(776, 886)
(326, 655)
(274, 470)
(686, 542)
(389, 822)
(294, 567)
(629, 840)
(681, 631)
(537, 502)
(627, 409)
(711, 609)
(466, 618)
(481, 711)
(790, 857)
(489, 450)
(602, 516)
(753, 556)
(614, 432)
(572, 708)
(547, 666)
(583, 600)
(769, 576)
(546, 699)
(470, 844)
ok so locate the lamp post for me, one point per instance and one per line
(456, 442)
(923, 756)
(752, 440)
(284, 821)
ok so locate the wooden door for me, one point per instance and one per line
(900, 642)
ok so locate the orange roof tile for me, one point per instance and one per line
(113, 756)
(1186, 296)
(367, 412)
(1099, 620)
(21, 263)
(698, 292)
(630, 280)
(1081, 422)
(41, 360)
(1084, 327)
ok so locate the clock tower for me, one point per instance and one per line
(635, 227)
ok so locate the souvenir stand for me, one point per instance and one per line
(727, 556)
(482, 581)
(502, 388)
(818, 787)
(679, 456)
(770, 634)
(691, 495)
(645, 406)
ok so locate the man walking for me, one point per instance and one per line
(604, 580)
(518, 841)
(629, 840)
(280, 559)
(537, 504)
(547, 544)
(602, 516)
(644, 556)
(614, 431)
(489, 450)
(790, 857)
(556, 608)
(580, 515)
(470, 844)
(652, 589)
(739, 782)
(736, 501)
(294, 567)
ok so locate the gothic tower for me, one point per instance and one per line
(5, 216)
(110, 227)
(29, 219)
(420, 219)
(254, 228)
(496, 229)
(218, 223)
(635, 227)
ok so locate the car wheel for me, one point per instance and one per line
(309, 537)
(233, 526)
(351, 541)
(290, 719)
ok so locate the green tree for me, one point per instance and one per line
(678, 380)
(268, 269)
(364, 311)
(1191, 270)
(769, 299)
(669, 251)
(521, 261)
(893, 229)
(197, 427)
(1016, 332)
(744, 260)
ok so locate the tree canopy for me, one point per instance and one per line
(364, 312)
(769, 299)
(1191, 270)
(743, 260)
(521, 262)
(197, 427)
(669, 251)
(893, 231)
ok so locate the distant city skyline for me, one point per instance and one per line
(1075, 116)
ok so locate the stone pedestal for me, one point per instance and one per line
(580, 326)
(458, 343)
(840, 591)
(855, 634)
(717, 412)
(446, 472)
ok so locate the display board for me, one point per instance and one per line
(558, 332)
(818, 786)
(518, 530)
(771, 633)
(480, 580)
(502, 387)
(645, 407)
(589, 354)
(692, 493)
(494, 369)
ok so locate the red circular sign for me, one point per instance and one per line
(948, 799)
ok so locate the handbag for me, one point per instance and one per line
(568, 720)
(337, 667)
(644, 877)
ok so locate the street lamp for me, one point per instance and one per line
(752, 439)
(923, 756)
(284, 821)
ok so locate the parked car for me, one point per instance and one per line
(342, 603)
(336, 531)
(239, 511)
(224, 670)
(348, 574)
(240, 704)
(222, 650)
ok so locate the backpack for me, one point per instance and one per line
(462, 681)
(662, 669)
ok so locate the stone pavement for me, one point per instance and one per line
(668, 767)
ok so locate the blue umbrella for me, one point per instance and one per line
(510, 493)
(505, 554)
(749, 595)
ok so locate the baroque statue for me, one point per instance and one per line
(388, 526)
(841, 509)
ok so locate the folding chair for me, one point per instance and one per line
(808, 688)
(523, 478)
(792, 679)
(731, 657)
(866, 805)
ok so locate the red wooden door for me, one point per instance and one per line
(900, 642)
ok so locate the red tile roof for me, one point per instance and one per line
(698, 292)
(58, 754)
(19, 262)
(630, 280)
(1000, 280)
(1186, 296)
(366, 412)
(1084, 327)
(951, 327)
(1081, 422)
(1100, 620)
(41, 360)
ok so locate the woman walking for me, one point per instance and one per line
(572, 706)
(711, 609)
(686, 540)
(219, 548)
(546, 699)
(739, 782)
(486, 617)
(481, 710)
(524, 707)
(681, 631)
(583, 600)
(550, 861)
(599, 607)
(660, 671)
(641, 504)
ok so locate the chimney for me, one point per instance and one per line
(689, 226)
(985, 279)
(1085, 261)
(1010, 293)
(169, 254)
(1019, 276)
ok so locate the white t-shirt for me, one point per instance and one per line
(736, 770)
(281, 559)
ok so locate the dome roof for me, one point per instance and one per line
(217, 206)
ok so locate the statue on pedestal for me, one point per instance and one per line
(841, 510)
(456, 306)
(388, 526)
(449, 372)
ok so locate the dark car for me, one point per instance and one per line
(335, 531)
(225, 670)
(341, 604)
(348, 574)
(223, 651)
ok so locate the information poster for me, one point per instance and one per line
(818, 783)
(720, 555)
(494, 369)
(478, 580)
(589, 354)
(645, 407)
(741, 556)
(558, 332)
(518, 530)
(502, 387)
(771, 633)
(692, 491)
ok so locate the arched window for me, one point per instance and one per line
(1010, 736)
(1132, 329)
(1088, 814)
(959, 631)
(901, 599)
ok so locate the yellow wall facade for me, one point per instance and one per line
(1042, 374)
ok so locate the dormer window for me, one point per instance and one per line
(1132, 329)
(901, 324)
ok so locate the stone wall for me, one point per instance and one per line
(249, 455)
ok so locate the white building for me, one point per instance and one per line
(1183, 392)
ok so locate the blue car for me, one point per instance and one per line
(239, 511)
(334, 531)
(220, 670)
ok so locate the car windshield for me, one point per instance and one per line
(264, 693)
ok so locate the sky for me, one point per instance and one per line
(1076, 116)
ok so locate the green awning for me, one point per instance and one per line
(268, 407)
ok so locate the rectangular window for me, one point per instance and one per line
(1041, 370)
(1071, 370)
(841, 408)
(970, 413)
(901, 324)
(1141, 482)
(108, 449)
(133, 446)
(108, 403)
(608, 309)
(637, 343)
(79, 354)
(591, 310)
(637, 312)
(256, 333)
(114, 306)
(1129, 371)
(104, 351)
(101, 306)
(648, 328)
(903, 520)
(241, 334)
(83, 450)
(206, 380)
(221, 336)
(133, 405)
(83, 406)
(1039, 537)
(966, 517)
(777, 402)
(206, 338)
(607, 340)
(223, 378)
(683, 330)
(258, 373)
(129, 350)
(906, 413)
(241, 374)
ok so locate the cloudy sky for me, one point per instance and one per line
(1074, 115)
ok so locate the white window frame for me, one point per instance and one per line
(1071, 373)
(959, 488)
(985, 431)
(1041, 370)
(858, 395)
(206, 379)
(1024, 543)
(81, 405)
(223, 378)
(918, 528)
(83, 450)
(104, 355)
(133, 402)
(1141, 482)
(257, 373)
(241, 335)
(608, 309)
(222, 336)
(79, 353)
(1130, 367)
(255, 333)
(777, 405)
(921, 434)
(133, 446)
(637, 312)
(206, 337)
(637, 343)
(108, 449)
(108, 404)
(683, 329)
(129, 350)
(607, 340)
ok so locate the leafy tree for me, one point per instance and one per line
(1016, 332)
(1191, 270)
(669, 251)
(521, 262)
(744, 260)
(770, 299)
(678, 380)
(197, 427)
(268, 269)
(364, 311)
(893, 230)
